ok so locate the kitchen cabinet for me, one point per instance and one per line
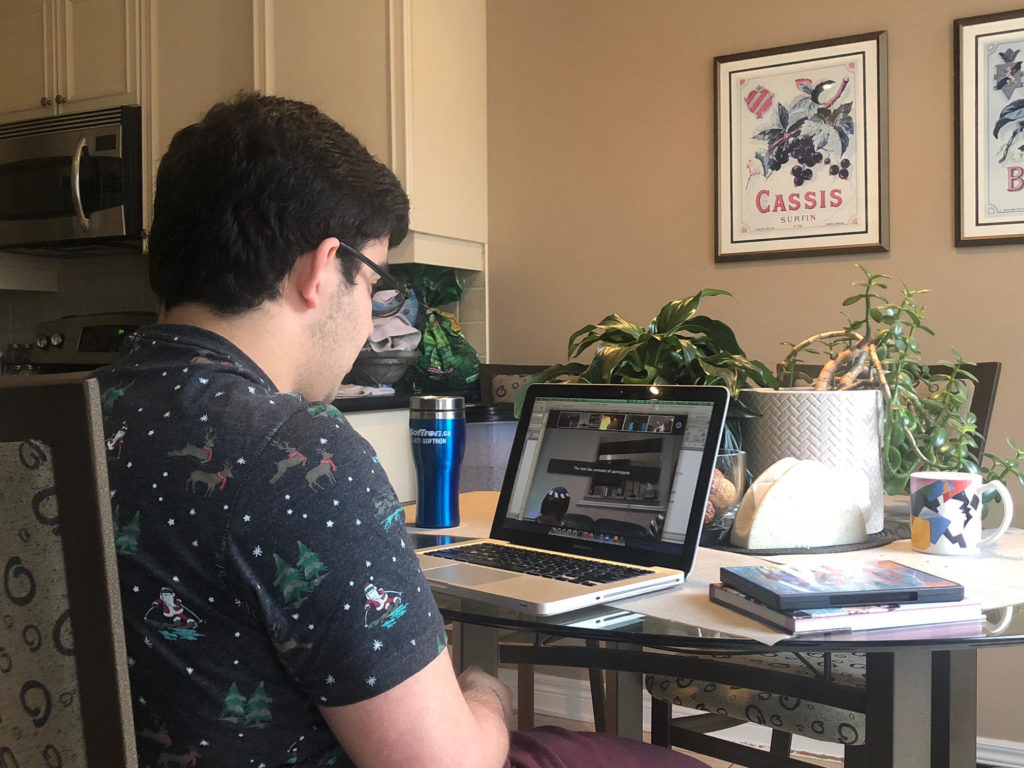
(408, 77)
(63, 56)
(199, 53)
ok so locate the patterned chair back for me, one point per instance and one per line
(64, 696)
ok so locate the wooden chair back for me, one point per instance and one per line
(64, 693)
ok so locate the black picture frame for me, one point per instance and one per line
(801, 148)
(988, 99)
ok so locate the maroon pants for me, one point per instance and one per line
(550, 747)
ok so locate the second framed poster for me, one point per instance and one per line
(988, 94)
(801, 145)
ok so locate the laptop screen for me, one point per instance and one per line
(620, 472)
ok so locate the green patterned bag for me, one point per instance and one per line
(448, 362)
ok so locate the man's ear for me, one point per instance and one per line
(313, 274)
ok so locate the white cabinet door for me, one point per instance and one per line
(443, 85)
(98, 54)
(201, 53)
(409, 78)
(27, 42)
(334, 54)
(62, 56)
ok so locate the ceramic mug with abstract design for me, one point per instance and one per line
(946, 510)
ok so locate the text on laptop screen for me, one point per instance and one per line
(615, 472)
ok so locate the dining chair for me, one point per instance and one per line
(64, 695)
(500, 383)
(777, 701)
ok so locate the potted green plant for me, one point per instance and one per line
(926, 425)
(678, 346)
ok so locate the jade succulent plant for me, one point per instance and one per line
(927, 425)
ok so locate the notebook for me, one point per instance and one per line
(604, 494)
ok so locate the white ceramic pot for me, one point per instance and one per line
(839, 429)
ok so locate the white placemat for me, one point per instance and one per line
(995, 578)
(690, 603)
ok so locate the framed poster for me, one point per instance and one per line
(988, 96)
(801, 145)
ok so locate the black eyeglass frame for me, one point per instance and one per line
(387, 282)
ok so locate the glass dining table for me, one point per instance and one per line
(919, 701)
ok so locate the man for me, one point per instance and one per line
(312, 637)
(554, 506)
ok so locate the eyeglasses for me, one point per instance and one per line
(387, 282)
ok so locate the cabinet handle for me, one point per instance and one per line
(61, 100)
(45, 102)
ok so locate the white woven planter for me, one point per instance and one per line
(839, 429)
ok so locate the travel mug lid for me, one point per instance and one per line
(437, 403)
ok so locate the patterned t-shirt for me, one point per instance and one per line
(262, 556)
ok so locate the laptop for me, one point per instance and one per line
(603, 499)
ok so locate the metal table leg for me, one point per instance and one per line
(624, 699)
(479, 646)
(922, 708)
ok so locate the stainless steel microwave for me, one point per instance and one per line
(72, 182)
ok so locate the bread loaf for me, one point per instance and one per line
(797, 503)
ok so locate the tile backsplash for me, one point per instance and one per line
(114, 283)
(85, 285)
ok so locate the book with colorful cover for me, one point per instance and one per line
(850, 617)
(877, 582)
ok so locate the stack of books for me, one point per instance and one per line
(857, 596)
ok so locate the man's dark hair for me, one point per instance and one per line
(256, 183)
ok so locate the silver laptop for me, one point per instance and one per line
(603, 498)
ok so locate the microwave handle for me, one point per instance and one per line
(76, 192)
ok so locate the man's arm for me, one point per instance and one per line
(430, 719)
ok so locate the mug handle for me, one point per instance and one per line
(1004, 496)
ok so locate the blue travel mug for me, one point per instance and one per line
(437, 429)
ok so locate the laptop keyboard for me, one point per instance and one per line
(544, 564)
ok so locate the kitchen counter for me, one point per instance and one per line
(384, 421)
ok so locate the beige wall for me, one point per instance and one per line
(601, 189)
(601, 179)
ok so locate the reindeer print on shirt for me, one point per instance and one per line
(202, 452)
(292, 458)
(324, 470)
(200, 480)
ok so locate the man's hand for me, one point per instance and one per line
(488, 691)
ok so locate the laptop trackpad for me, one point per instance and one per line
(467, 575)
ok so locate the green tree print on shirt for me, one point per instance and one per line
(310, 563)
(257, 709)
(299, 580)
(234, 705)
(126, 537)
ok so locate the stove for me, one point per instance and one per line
(82, 342)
